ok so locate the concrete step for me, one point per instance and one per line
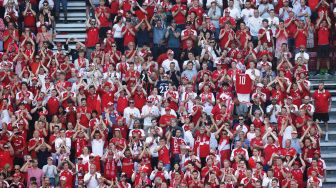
(331, 135)
(63, 40)
(74, 19)
(73, 25)
(71, 35)
(68, 29)
(331, 180)
(329, 184)
(75, 8)
(76, 4)
(74, 14)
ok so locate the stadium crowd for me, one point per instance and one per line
(163, 93)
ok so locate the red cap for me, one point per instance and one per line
(39, 99)
(110, 103)
(120, 118)
(107, 84)
(34, 79)
(17, 175)
(81, 88)
(68, 84)
(296, 163)
(167, 109)
(59, 44)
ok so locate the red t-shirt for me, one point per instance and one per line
(198, 11)
(301, 38)
(164, 155)
(93, 32)
(323, 36)
(179, 17)
(269, 150)
(114, 7)
(104, 22)
(29, 20)
(53, 105)
(321, 101)
(243, 84)
(69, 177)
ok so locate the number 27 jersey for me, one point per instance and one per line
(243, 84)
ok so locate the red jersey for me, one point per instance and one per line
(103, 19)
(269, 150)
(93, 32)
(164, 155)
(243, 84)
(323, 36)
(53, 105)
(69, 177)
(322, 101)
(179, 17)
(175, 144)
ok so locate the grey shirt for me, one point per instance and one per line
(49, 170)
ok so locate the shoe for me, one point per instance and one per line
(326, 137)
(330, 73)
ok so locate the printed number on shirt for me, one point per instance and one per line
(163, 89)
(242, 80)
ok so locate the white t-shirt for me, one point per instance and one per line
(127, 115)
(147, 110)
(117, 31)
(166, 65)
(287, 135)
(253, 75)
(93, 182)
(60, 140)
(98, 147)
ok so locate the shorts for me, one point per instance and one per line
(244, 98)
(321, 117)
(323, 51)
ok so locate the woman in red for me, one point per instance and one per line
(225, 138)
(29, 17)
(243, 36)
(226, 36)
(110, 160)
(128, 31)
(323, 32)
(122, 96)
(300, 35)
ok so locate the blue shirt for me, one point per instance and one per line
(158, 34)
